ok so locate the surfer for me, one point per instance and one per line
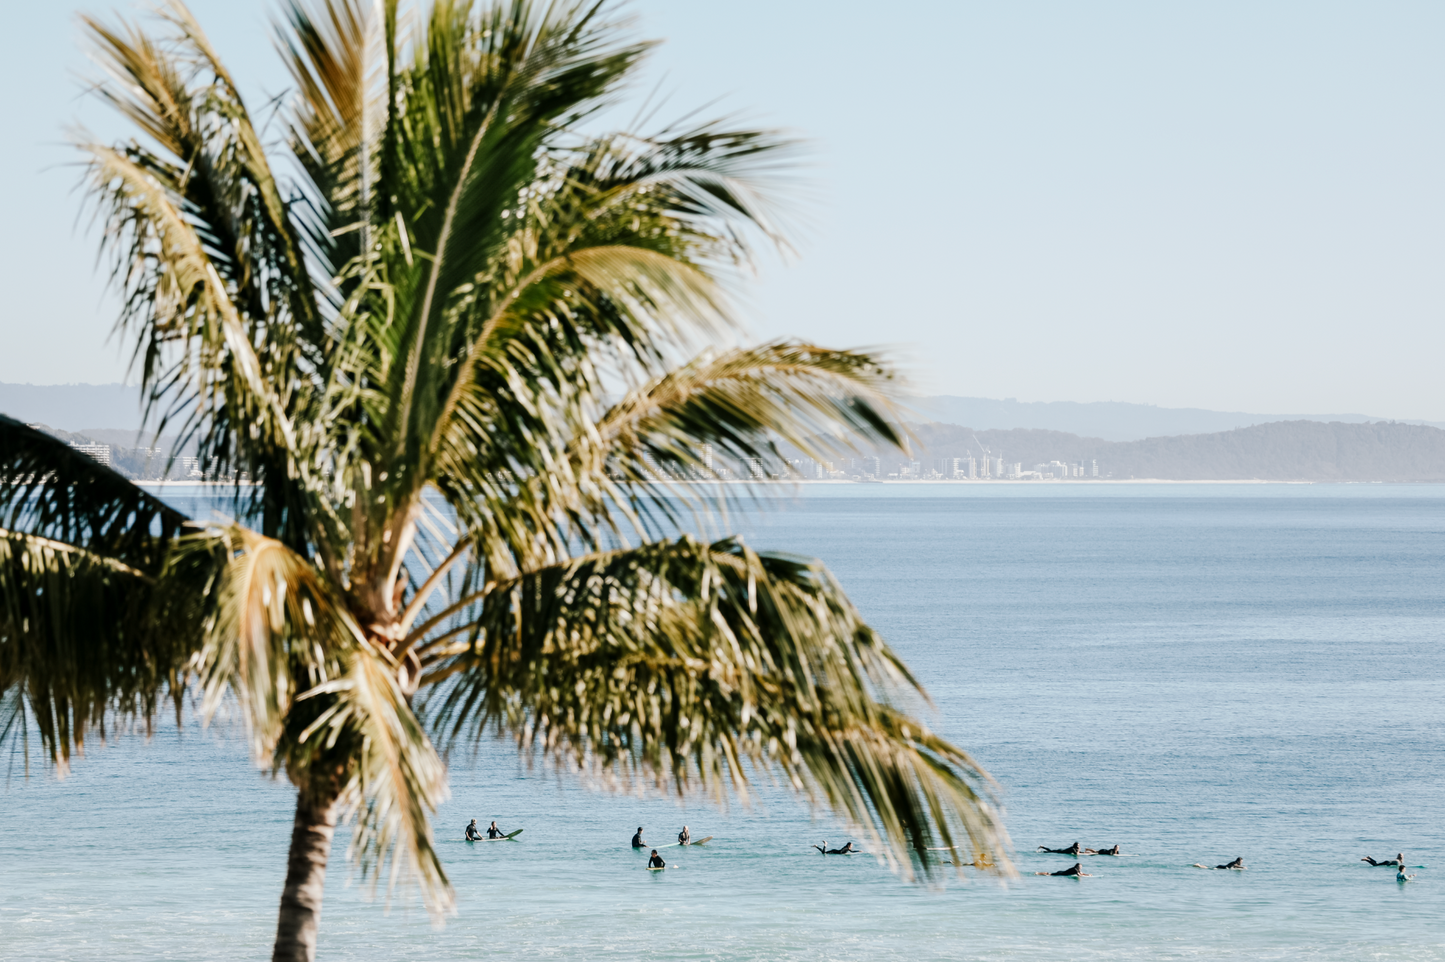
(656, 860)
(845, 850)
(1071, 850)
(1400, 876)
(472, 834)
(1236, 864)
(1102, 851)
(493, 831)
(684, 836)
(1075, 870)
(637, 841)
(1397, 861)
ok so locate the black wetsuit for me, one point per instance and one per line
(637, 841)
(684, 837)
(472, 834)
(656, 862)
(1237, 863)
(1071, 850)
(495, 833)
(1076, 870)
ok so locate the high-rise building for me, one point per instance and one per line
(808, 468)
(100, 452)
(1093, 469)
(707, 456)
(755, 467)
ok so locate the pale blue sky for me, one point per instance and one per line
(1229, 205)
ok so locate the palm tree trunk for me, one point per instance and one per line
(305, 879)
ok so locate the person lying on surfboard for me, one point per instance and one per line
(1102, 851)
(656, 860)
(1398, 860)
(1077, 870)
(684, 836)
(845, 850)
(637, 841)
(472, 834)
(1236, 864)
(494, 832)
(1071, 850)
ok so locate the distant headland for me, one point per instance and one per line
(952, 439)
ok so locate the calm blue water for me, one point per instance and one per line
(1193, 672)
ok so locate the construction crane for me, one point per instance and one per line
(987, 457)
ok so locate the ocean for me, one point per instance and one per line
(1193, 672)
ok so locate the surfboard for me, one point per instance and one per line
(507, 837)
(662, 868)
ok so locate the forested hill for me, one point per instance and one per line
(1279, 451)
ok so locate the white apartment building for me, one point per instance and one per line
(100, 452)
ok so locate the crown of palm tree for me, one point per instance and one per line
(445, 346)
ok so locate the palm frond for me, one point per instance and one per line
(483, 97)
(89, 624)
(744, 403)
(691, 663)
(342, 63)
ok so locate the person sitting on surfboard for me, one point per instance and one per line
(1077, 869)
(1071, 850)
(493, 831)
(656, 860)
(637, 841)
(472, 834)
(1398, 860)
(684, 836)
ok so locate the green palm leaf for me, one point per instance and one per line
(697, 663)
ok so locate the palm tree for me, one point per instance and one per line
(443, 358)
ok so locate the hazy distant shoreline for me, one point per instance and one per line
(782, 482)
